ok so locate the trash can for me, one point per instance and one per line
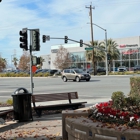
(22, 105)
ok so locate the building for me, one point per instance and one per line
(46, 62)
(129, 54)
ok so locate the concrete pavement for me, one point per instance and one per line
(48, 127)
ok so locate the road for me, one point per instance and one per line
(100, 88)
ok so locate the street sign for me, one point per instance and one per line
(34, 69)
(89, 48)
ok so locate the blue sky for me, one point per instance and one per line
(58, 18)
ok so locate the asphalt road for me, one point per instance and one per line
(99, 88)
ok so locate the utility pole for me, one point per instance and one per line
(91, 24)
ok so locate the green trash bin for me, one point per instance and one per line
(22, 105)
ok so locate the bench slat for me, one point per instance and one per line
(54, 96)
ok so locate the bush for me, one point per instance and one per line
(118, 99)
(9, 102)
(135, 87)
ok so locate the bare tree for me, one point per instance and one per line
(62, 59)
(24, 61)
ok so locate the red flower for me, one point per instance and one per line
(136, 116)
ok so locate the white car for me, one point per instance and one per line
(122, 68)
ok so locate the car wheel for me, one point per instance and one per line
(74, 80)
(64, 79)
(77, 79)
(87, 79)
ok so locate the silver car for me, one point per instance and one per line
(75, 75)
(122, 68)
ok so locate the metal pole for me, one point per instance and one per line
(105, 46)
(93, 57)
(31, 75)
(106, 52)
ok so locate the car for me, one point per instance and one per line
(38, 70)
(101, 70)
(122, 68)
(44, 70)
(136, 68)
(90, 70)
(52, 71)
(75, 75)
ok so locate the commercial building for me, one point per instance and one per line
(129, 54)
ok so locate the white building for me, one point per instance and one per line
(47, 61)
(129, 54)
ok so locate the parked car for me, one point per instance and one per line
(75, 75)
(101, 70)
(90, 70)
(38, 70)
(122, 68)
(44, 70)
(53, 71)
(137, 68)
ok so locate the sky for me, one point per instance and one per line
(59, 18)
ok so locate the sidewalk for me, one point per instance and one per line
(48, 127)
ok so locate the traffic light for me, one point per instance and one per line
(35, 40)
(44, 38)
(81, 43)
(23, 39)
(108, 56)
(38, 60)
(66, 39)
(34, 60)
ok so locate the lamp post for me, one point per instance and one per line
(105, 46)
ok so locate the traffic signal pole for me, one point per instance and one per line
(78, 42)
(34, 46)
(31, 60)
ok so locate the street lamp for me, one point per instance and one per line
(105, 46)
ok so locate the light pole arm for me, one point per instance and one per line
(99, 27)
(105, 46)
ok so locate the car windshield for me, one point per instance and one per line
(78, 70)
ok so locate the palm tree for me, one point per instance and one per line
(41, 62)
(112, 50)
(15, 61)
(99, 54)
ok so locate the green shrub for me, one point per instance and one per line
(134, 87)
(9, 102)
(118, 99)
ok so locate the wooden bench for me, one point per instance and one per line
(56, 97)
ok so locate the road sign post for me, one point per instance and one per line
(88, 49)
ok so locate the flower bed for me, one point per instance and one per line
(106, 113)
(117, 119)
(121, 110)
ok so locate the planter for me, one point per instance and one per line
(78, 126)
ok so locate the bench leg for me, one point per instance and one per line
(39, 113)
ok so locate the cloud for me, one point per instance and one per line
(58, 18)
